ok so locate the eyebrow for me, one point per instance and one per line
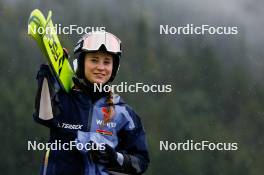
(108, 58)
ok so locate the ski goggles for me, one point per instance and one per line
(93, 41)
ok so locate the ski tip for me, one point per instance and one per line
(49, 17)
(49, 14)
(35, 20)
(36, 11)
(37, 15)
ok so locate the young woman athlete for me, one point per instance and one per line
(101, 120)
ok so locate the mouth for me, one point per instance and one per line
(99, 75)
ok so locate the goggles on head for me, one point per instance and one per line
(94, 40)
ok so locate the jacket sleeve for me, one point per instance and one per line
(46, 100)
(132, 145)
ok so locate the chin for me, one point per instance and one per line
(99, 82)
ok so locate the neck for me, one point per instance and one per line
(88, 88)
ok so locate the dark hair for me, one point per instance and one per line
(110, 108)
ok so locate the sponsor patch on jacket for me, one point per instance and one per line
(105, 113)
(104, 132)
(70, 126)
(102, 123)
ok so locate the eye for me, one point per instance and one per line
(94, 60)
(107, 62)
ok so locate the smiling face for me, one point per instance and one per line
(98, 66)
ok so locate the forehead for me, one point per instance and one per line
(100, 54)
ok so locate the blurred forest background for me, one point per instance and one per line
(217, 80)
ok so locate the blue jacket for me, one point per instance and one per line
(78, 113)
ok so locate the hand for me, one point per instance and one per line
(106, 157)
(45, 72)
(66, 52)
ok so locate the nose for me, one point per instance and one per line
(100, 65)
